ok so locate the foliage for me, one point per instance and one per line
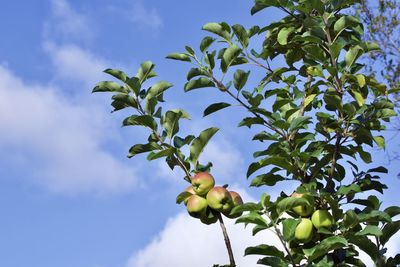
(317, 116)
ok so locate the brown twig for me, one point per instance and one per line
(227, 241)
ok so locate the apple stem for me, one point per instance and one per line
(227, 241)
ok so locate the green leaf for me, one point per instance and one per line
(170, 122)
(273, 261)
(179, 56)
(349, 189)
(229, 56)
(361, 80)
(199, 144)
(143, 120)
(205, 43)
(380, 141)
(108, 86)
(163, 153)
(253, 218)
(241, 34)
(350, 219)
(366, 245)
(142, 148)
(345, 22)
(248, 206)
(220, 29)
(158, 89)
(120, 75)
(392, 211)
(145, 71)
(182, 196)
(134, 84)
(309, 99)
(126, 100)
(194, 72)
(374, 216)
(352, 55)
(284, 34)
(261, 4)
(240, 79)
(370, 230)
(289, 202)
(389, 230)
(265, 250)
(180, 142)
(299, 122)
(215, 107)
(326, 245)
(289, 228)
(198, 83)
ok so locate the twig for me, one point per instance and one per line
(227, 241)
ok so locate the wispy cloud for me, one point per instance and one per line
(60, 142)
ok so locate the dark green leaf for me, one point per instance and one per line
(205, 43)
(179, 56)
(143, 120)
(265, 250)
(198, 83)
(370, 230)
(241, 34)
(326, 245)
(120, 75)
(163, 153)
(199, 144)
(240, 79)
(220, 29)
(215, 107)
(389, 230)
(289, 228)
(108, 86)
(229, 56)
(194, 72)
(158, 89)
(142, 148)
(145, 71)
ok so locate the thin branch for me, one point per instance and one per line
(227, 241)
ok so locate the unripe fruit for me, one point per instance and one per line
(196, 206)
(190, 190)
(219, 199)
(322, 218)
(237, 201)
(202, 182)
(304, 231)
(303, 210)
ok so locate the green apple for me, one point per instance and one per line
(202, 182)
(190, 190)
(196, 206)
(304, 231)
(322, 218)
(209, 217)
(237, 201)
(219, 199)
(303, 210)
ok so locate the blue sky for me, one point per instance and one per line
(68, 194)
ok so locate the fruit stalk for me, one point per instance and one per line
(227, 241)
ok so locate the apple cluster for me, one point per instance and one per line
(320, 218)
(205, 201)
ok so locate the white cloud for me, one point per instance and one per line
(66, 24)
(59, 142)
(186, 242)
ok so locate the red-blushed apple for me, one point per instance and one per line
(237, 201)
(304, 231)
(197, 206)
(303, 210)
(190, 190)
(209, 217)
(219, 199)
(322, 218)
(202, 182)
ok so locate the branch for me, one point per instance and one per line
(227, 241)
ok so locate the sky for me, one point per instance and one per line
(68, 194)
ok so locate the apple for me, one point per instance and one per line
(219, 199)
(237, 201)
(303, 210)
(190, 190)
(322, 218)
(196, 206)
(304, 231)
(202, 182)
(209, 217)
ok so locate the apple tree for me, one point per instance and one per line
(317, 114)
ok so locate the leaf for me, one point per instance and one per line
(326, 245)
(249, 206)
(163, 153)
(199, 144)
(374, 216)
(352, 55)
(253, 218)
(143, 120)
(194, 72)
(265, 250)
(229, 56)
(284, 34)
(182, 196)
(289, 202)
(134, 84)
(108, 86)
(179, 56)
(299, 122)
(145, 71)
(241, 34)
(205, 43)
(358, 97)
(366, 245)
(261, 4)
(350, 219)
(220, 29)
(180, 142)
(380, 141)
(273, 261)
(215, 107)
(309, 99)
(158, 89)
(392, 211)
(389, 230)
(370, 230)
(120, 75)
(289, 228)
(349, 189)
(240, 78)
(170, 122)
(142, 148)
(345, 22)
(198, 83)
(361, 80)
